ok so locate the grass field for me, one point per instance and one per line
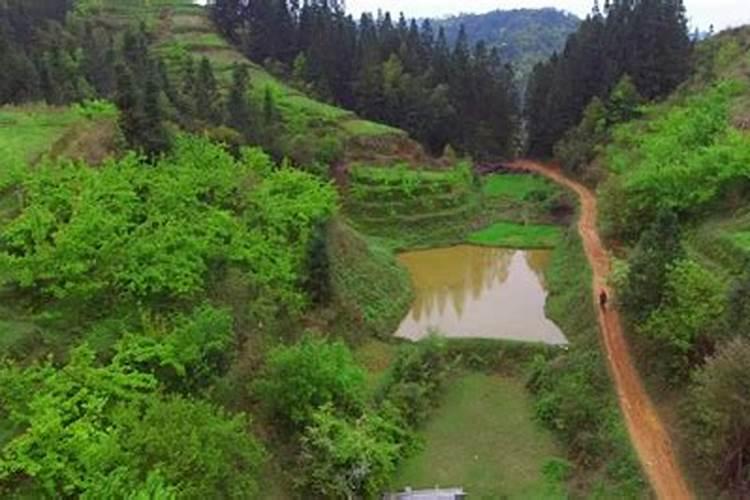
(742, 239)
(30, 130)
(514, 235)
(483, 438)
(518, 187)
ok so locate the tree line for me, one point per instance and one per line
(398, 72)
(644, 39)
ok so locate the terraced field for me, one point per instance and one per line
(412, 205)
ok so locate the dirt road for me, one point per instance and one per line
(650, 439)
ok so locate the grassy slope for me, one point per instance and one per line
(183, 29)
(483, 438)
(31, 130)
(367, 282)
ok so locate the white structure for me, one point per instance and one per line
(433, 494)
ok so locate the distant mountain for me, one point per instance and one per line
(524, 36)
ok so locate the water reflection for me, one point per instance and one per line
(467, 291)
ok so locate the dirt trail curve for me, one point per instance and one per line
(650, 439)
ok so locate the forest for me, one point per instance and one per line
(204, 212)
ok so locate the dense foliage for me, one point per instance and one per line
(673, 200)
(392, 71)
(106, 430)
(718, 416)
(645, 39)
(302, 378)
(130, 234)
(682, 160)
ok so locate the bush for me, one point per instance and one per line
(345, 458)
(689, 317)
(717, 414)
(300, 379)
(416, 378)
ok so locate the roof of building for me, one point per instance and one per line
(431, 494)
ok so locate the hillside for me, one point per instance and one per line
(313, 130)
(523, 36)
(209, 258)
(674, 190)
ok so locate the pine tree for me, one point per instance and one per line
(206, 94)
(128, 101)
(153, 136)
(238, 111)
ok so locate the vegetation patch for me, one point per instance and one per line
(367, 282)
(484, 438)
(29, 131)
(513, 235)
(573, 393)
(518, 187)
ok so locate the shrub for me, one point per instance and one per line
(301, 378)
(717, 414)
(345, 458)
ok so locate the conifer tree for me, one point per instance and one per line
(238, 111)
(206, 94)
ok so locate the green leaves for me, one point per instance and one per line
(692, 309)
(345, 459)
(300, 379)
(148, 233)
(103, 431)
(68, 441)
(717, 414)
(682, 161)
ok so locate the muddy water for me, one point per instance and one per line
(469, 291)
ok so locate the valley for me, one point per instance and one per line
(267, 249)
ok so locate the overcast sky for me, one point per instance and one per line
(702, 13)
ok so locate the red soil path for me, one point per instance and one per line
(647, 432)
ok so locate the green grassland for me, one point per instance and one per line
(514, 235)
(517, 187)
(368, 285)
(484, 438)
(28, 131)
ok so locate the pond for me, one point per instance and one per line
(479, 292)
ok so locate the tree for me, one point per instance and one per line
(187, 355)
(198, 447)
(689, 316)
(348, 459)
(69, 416)
(738, 313)
(658, 248)
(646, 40)
(717, 414)
(154, 138)
(206, 94)
(623, 102)
(238, 112)
(300, 379)
(88, 430)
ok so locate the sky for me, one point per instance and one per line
(701, 13)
